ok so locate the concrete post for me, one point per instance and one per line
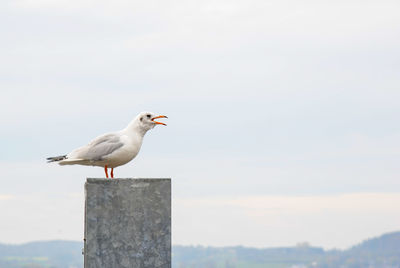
(127, 223)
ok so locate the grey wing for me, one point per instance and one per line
(102, 146)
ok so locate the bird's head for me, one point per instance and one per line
(147, 120)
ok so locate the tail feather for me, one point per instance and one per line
(56, 158)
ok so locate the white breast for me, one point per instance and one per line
(126, 153)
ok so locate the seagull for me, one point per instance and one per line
(114, 149)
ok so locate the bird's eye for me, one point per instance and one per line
(141, 118)
(148, 116)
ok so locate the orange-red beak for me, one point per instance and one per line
(160, 116)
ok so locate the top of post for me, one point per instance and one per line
(116, 180)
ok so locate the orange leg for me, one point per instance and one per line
(112, 172)
(105, 169)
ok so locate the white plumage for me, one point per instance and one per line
(112, 149)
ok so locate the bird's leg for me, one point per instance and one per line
(105, 169)
(112, 173)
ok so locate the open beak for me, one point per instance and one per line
(160, 116)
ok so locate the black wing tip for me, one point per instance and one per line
(56, 158)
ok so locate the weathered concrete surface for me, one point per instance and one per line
(127, 223)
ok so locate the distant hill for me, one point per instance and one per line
(60, 254)
(380, 252)
(385, 244)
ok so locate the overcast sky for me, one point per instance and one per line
(283, 115)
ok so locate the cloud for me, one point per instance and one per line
(280, 98)
(330, 221)
(4, 197)
(362, 202)
(217, 200)
(339, 220)
(51, 216)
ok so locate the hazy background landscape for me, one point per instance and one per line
(283, 115)
(380, 252)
